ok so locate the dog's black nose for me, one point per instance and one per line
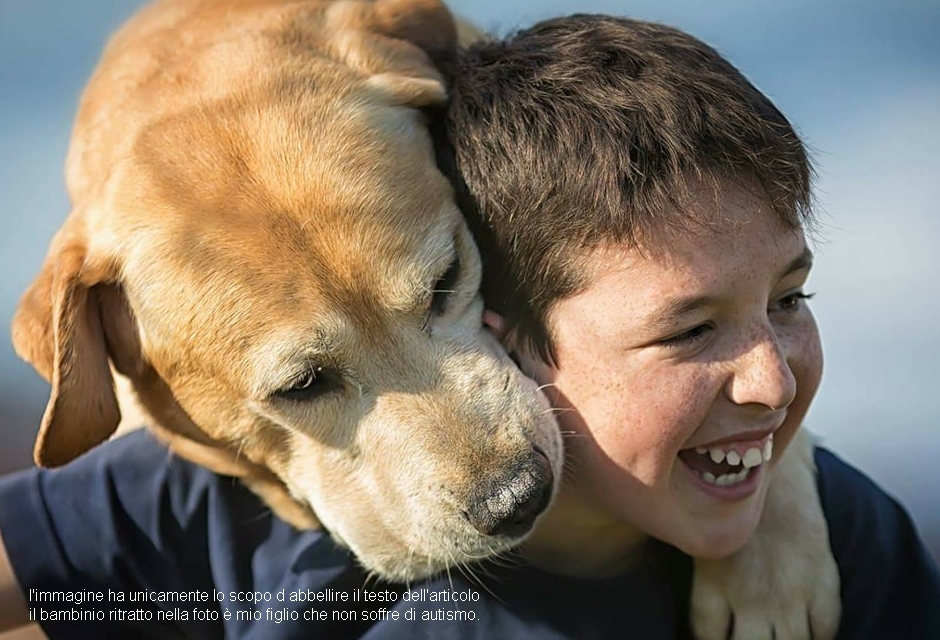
(509, 507)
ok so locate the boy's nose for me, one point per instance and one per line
(762, 374)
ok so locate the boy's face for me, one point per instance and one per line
(671, 358)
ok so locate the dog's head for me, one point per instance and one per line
(283, 276)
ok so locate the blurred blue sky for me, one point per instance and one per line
(860, 79)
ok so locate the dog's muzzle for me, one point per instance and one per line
(508, 506)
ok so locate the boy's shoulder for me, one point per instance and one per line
(890, 584)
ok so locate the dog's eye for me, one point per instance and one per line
(316, 382)
(444, 287)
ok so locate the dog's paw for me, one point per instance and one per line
(757, 596)
(784, 584)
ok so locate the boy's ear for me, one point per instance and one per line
(495, 324)
(400, 44)
(58, 329)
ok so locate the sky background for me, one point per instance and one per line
(859, 79)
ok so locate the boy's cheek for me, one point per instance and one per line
(807, 369)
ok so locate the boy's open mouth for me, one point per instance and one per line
(728, 464)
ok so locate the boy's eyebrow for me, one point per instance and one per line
(678, 307)
(802, 261)
(664, 316)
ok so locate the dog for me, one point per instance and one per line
(263, 257)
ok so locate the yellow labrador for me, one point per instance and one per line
(263, 254)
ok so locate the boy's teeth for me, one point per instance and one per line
(725, 479)
(753, 457)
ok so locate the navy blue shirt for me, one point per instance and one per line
(130, 540)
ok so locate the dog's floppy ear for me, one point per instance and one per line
(58, 328)
(401, 44)
(427, 24)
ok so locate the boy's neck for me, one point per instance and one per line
(572, 540)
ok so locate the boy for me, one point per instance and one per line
(640, 208)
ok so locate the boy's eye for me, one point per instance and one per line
(690, 336)
(792, 302)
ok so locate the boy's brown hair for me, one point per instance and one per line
(587, 129)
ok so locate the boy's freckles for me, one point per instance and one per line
(667, 357)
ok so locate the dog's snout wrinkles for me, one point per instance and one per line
(510, 505)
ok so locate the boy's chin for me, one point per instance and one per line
(714, 540)
(710, 529)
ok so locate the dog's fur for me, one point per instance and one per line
(255, 202)
(258, 248)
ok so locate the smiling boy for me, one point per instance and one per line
(671, 354)
(643, 211)
(661, 240)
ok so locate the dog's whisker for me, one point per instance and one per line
(370, 579)
(570, 470)
(508, 559)
(468, 571)
(504, 560)
(450, 578)
(411, 555)
(558, 410)
(476, 558)
(261, 515)
(479, 582)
